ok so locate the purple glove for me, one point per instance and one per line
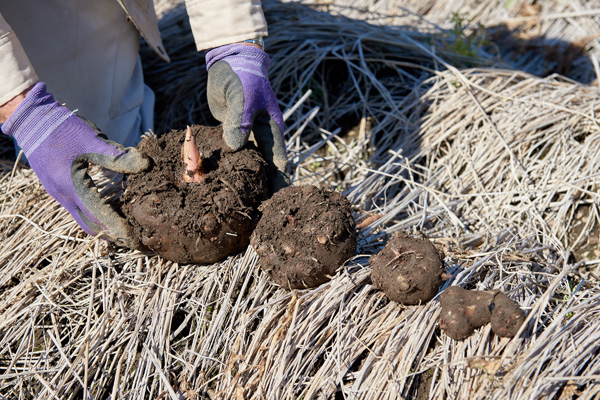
(240, 96)
(59, 147)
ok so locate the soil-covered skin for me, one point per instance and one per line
(408, 269)
(304, 235)
(196, 222)
(507, 316)
(464, 310)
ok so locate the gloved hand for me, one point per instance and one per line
(59, 147)
(240, 96)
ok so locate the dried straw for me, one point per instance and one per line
(498, 167)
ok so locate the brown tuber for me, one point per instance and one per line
(507, 316)
(464, 310)
(304, 235)
(408, 269)
(201, 211)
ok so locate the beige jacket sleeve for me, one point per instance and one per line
(16, 71)
(219, 22)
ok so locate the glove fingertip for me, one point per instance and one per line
(234, 138)
(134, 161)
(277, 116)
(280, 181)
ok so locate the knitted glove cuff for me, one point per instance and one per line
(35, 119)
(252, 54)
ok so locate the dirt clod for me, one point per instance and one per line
(464, 310)
(304, 235)
(408, 269)
(197, 222)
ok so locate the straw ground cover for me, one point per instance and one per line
(497, 166)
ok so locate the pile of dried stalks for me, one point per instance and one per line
(498, 167)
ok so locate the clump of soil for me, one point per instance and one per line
(464, 310)
(207, 218)
(408, 269)
(304, 235)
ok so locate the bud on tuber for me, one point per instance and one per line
(192, 159)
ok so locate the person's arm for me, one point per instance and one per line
(219, 22)
(239, 92)
(10, 106)
(59, 145)
(17, 75)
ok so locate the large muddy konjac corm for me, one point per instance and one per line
(205, 217)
